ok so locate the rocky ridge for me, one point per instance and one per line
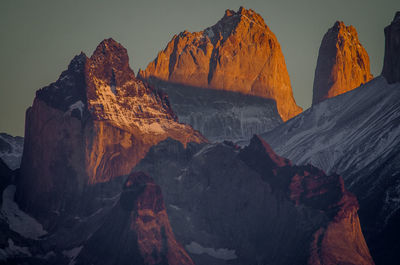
(246, 206)
(92, 125)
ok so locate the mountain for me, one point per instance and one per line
(11, 150)
(357, 135)
(136, 230)
(132, 227)
(239, 54)
(93, 124)
(229, 205)
(391, 64)
(343, 63)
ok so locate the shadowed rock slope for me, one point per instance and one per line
(391, 64)
(250, 206)
(136, 230)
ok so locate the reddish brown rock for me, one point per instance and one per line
(340, 239)
(240, 53)
(391, 64)
(343, 63)
(136, 231)
(95, 123)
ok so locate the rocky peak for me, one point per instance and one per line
(110, 61)
(259, 148)
(343, 63)
(391, 64)
(239, 53)
(92, 125)
(140, 230)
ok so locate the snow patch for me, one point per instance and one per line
(18, 220)
(174, 207)
(77, 105)
(221, 253)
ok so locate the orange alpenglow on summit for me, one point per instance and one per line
(343, 63)
(239, 53)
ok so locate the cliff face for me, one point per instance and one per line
(136, 230)
(239, 53)
(356, 136)
(343, 63)
(246, 206)
(95, 123)
(391, 64)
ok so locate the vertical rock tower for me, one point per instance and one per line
(239, 53)
(391, 64)
(95, 123)
(343, 63)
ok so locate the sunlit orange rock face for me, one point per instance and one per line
(343, 63)
(240, 53)
(93, 124)
(136, 231)
(391, 64)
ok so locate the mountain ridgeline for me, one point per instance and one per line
(110, 175)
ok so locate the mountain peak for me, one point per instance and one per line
(238, 54)
(391, 64)
(111, 54)
(396, 17)
(343, 63)
(260, 147)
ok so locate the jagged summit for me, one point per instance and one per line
(93, 124)
(230, 21)
(343, 63)
(239, 53)
(391, 64)
(111, 54)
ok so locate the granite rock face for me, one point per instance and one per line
(343, 63)
(229, 205)
(136, 230)
(356, 135)
(93, 124)
(391, 64)
(239, 53)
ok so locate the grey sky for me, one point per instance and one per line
(39, 38)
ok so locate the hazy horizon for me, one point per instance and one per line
(39, 40)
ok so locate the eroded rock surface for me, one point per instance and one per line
(239, 53)
(343, 63)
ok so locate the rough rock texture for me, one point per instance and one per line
(343, 63)
(136, 230)
(250, 206)
(93, 124)
(5, 178)
(11, 150)
(239, 53)
(391, 64)
(356, 135)
(222, 115)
